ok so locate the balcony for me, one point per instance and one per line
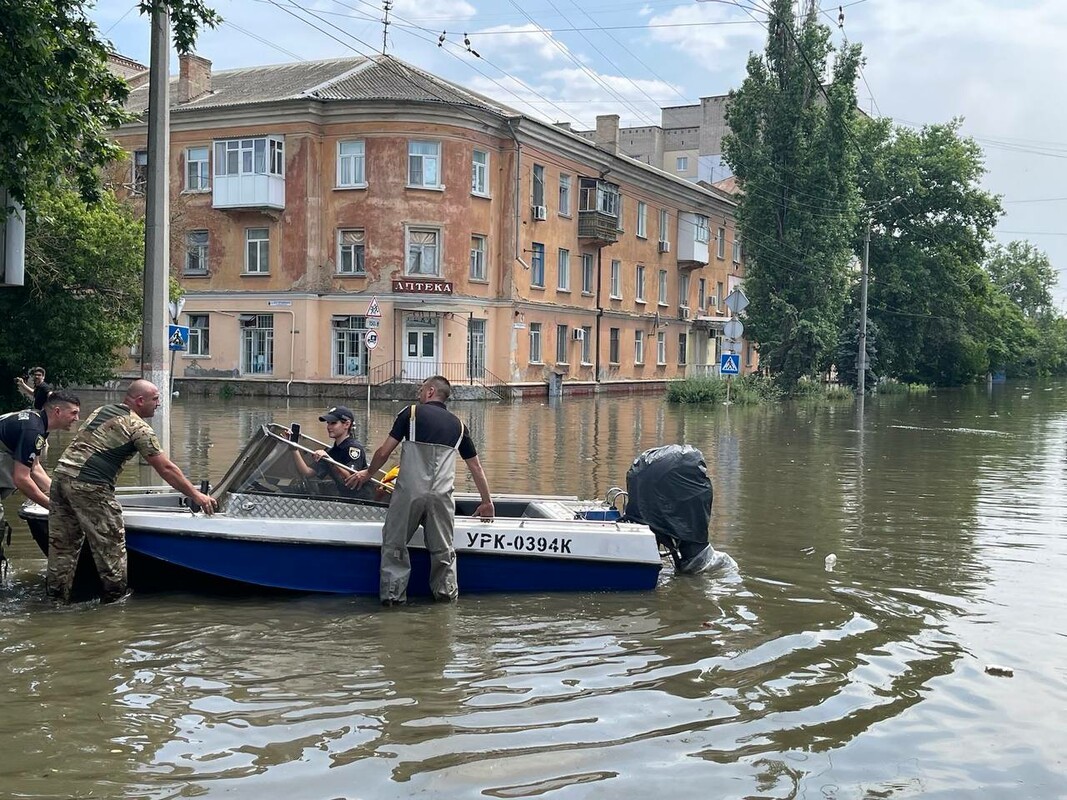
(693, 236)
(249, 173)
(598, 212)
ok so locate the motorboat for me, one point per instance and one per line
(278, 530)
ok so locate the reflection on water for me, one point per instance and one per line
(783, 680)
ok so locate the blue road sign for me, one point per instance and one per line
(730, 364)
(178, 337)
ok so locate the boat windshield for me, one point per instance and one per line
(271, 464)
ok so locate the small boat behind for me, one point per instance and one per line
(277, 530)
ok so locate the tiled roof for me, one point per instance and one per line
(340, 79)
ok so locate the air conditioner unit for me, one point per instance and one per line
(665, 247)
(683, 312)
(540, 212)
(578, 334)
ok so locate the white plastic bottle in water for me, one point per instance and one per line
(830, 561)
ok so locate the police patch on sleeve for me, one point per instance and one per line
(38, 444)
(354, 453)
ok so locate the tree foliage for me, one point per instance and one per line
(82, 301)
(939, 317)
(1024, 274)
(58, 100)
(791, 148)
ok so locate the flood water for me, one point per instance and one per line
(947, 516)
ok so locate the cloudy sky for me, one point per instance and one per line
(998, 64)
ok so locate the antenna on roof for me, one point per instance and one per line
(387, 5)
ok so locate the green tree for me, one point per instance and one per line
(792, 149)
(1024, 274)
(58, 100)
(82, 301)
(933, 303)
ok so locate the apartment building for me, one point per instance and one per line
(321, 207)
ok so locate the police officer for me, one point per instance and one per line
(346, 450)
(22, 439)
(83, 491)
(432, 435)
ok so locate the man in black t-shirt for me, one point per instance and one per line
(432, 435)
(22, 438)
(36, 390)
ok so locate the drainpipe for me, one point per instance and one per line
(599, 311)
(518, 184)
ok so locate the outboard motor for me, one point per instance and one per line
(670, 491)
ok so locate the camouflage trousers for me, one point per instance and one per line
(82, 512)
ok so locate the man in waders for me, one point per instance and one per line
(432, 435)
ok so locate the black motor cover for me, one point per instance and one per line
(670, 491)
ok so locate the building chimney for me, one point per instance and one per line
(607, 133)
(194, 77)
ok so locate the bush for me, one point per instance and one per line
(892, 386)
(744, 390)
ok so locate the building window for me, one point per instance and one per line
(564, 195)
(424, 251)
(662, 289)
(537, 265)
(535, 342)
(197, 174)
(478, 271)
(587, 273)
(664, 226)
(562, 332)
(263, 156)
(720, 250)
(257, 251)
(683, 289)
(199, 335)
(737, 250)
(719, 298)
(196, 252)
(618, 222)
(351, 252)
(587, 345)
(480, 173)
(639, 347)
(351, 165)
(140, 172)
(349, 350)
(683, 340)
(257, 344)
(538, 185)
(702, 294)
(563, 277)
(642, 220)
(702, 233)
(616, 279)
(639, 283)
(613, 345)
(661, 347)
(424, 160)
(681, 164)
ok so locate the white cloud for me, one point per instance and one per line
(519, 44)
(425, 10)
(706, 32)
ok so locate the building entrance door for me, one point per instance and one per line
(421, 359)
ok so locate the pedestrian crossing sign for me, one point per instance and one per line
(178, 337)
(730, 364)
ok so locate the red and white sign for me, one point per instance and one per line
(371, 339)
(422, 287)
(373, 309)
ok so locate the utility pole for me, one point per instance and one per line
(388, 6)
(154, 346)
(861, 356)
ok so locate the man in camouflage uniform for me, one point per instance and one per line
(83, 504)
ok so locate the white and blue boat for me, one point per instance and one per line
(277, 530)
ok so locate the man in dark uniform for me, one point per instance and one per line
(22, 439)
(83, 505)
(432, 435)
(346, 450)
